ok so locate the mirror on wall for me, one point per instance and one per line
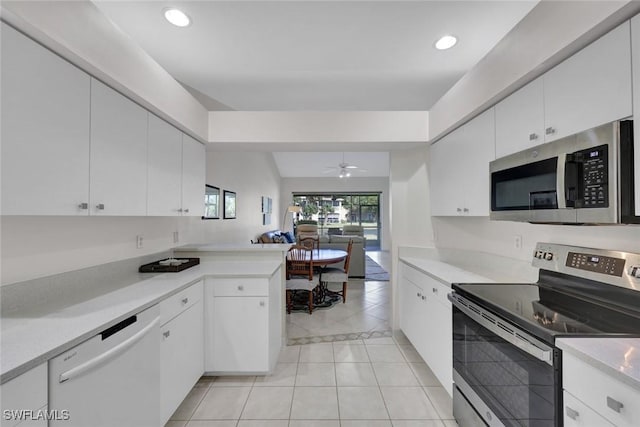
(211, 202)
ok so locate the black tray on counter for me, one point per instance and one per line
(155, 267)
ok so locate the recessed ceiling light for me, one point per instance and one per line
(177, 17)
(446, 42)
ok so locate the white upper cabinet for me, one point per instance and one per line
(164, 191)
(193, 176)
(45, 130)
(635, 44)
(118, 154)
(590, 88)
(520, 120)
(459, 180)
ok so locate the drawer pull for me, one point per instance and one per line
(185, 300)
(166, 334)
(418, 295)
(572, 413)
(435, 290)
(614, 404)
(261, 303)
(240, 288)
(423, 298)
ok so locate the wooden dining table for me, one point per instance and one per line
(323, 257)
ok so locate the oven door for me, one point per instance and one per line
(509, 377)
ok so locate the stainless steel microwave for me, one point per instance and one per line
(585, 178)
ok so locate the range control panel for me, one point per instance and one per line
(596, 263)
(613, 267)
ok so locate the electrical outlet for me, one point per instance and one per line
(517, 241)
(176, 237)
(139, 241)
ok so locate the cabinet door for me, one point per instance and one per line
(477, 150)
(193, 176)
(164, 165)
(182, 358)
(440, 337)
(240, 334)
(118, 154)
(590, 88)
(520, 120)
(45, 130)
(410, 295)
(26, 392)
(446, 175)
(635, 55)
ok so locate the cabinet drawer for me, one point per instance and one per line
(577, 414)
(240, 287)
(415, 276)
(179, 302)
(614, 400)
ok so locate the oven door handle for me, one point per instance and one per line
(504, 330)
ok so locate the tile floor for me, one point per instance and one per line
(378, 382)
(374, 383)
(368, 308)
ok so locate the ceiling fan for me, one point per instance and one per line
(344, 169)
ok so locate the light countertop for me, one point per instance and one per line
(617, 357)
(31, 337)
(235, 247)
(444, 272)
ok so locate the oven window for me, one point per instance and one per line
(520, 389)
(531, 186)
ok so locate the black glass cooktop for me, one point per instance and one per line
(548, 312)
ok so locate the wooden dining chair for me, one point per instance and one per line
(300, 274)
(338, 275)
(311, 242)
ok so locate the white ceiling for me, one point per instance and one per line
(325, 164)
(329, 55)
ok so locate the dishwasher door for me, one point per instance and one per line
(112, 379)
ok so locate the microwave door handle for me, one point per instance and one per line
(560, 188)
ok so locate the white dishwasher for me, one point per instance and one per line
(112, 379)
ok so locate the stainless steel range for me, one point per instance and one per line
(506, 368)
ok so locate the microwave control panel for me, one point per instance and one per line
(595, 176)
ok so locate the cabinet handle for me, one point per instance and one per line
(533, 136)
(466, 210)
(240, 288)
(423, 298)
(435, 290)
(458, 210)
(179, 210)
(614, 404)
(572, 413)
(100, 206)
(166, 334)
(418, 294)
(186, 210)
(549, 131)
(261, 303)
(185, 300)
(83, 206)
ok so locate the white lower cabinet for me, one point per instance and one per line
(24, 399)
(608, 398)
(425, 318)
(182, 348)
(243, 324)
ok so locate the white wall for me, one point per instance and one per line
(329, 185)
(250, 175)
(410, 208)
(318, 126)
(498, 237)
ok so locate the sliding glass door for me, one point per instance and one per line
(334, 210)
